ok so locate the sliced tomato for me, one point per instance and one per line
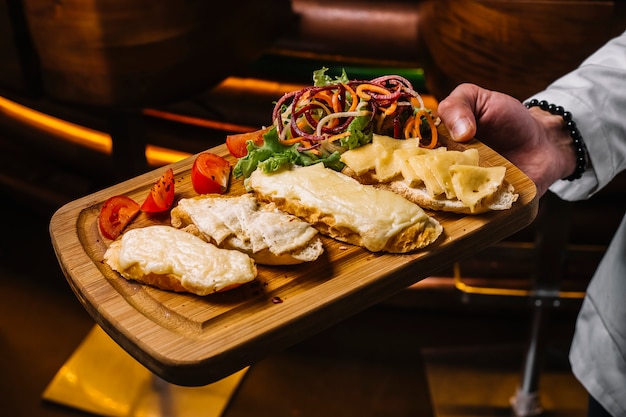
(161, 196)
(210, 174)
(238, 144)
(115, 214)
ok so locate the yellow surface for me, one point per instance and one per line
(101, 378)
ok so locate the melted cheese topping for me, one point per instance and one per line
(242, 219)
(374, 214)
(202, 267)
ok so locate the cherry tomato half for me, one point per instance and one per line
(238, 144)
(115, 214)
(210, 174)
(161, 196)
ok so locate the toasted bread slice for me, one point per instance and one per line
(171, 259)
(457, 188)
(266, 234)
(342, 208)
(501, 199)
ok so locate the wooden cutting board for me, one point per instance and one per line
(191, 340)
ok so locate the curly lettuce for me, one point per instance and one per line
(320, 78)
(273, 156)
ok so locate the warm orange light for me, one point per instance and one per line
(197, 121)
(71, 132)
(157, 156)
(80, 135)
(510, 292)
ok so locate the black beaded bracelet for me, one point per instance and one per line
(570, 125)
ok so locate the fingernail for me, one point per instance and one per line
(460, 129)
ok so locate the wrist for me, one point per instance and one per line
(564, 136)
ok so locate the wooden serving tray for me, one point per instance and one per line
(190, 340)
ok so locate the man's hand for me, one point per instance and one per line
(533, 140)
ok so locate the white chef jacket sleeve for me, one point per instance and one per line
(595, 94)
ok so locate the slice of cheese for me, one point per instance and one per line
(409, 175)
(387, 165)
(474, 185)
(440, 164)
(421, 166)
(361, 160)
(378, 156)
(403, 157)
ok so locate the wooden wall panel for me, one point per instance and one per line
(518, 46)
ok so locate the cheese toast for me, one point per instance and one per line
(342, 208)
(435, 179)
(267, 235)
(174, 260)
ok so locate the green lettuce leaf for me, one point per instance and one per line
(273, 156)
(360, 133)
(320, 78)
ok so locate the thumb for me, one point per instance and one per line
(457, 112)
(462, 129)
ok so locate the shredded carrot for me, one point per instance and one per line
(355, 102)
(415, 102)
(412, 128)
(409, 131)
(325, 96)
(339, 136)
(360, 90)
(389, 110)
(292, 140)
(336, 103)
(303, 124)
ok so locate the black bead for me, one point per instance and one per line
(567, 116)
(571, 125)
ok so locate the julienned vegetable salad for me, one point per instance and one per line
(317, 123)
